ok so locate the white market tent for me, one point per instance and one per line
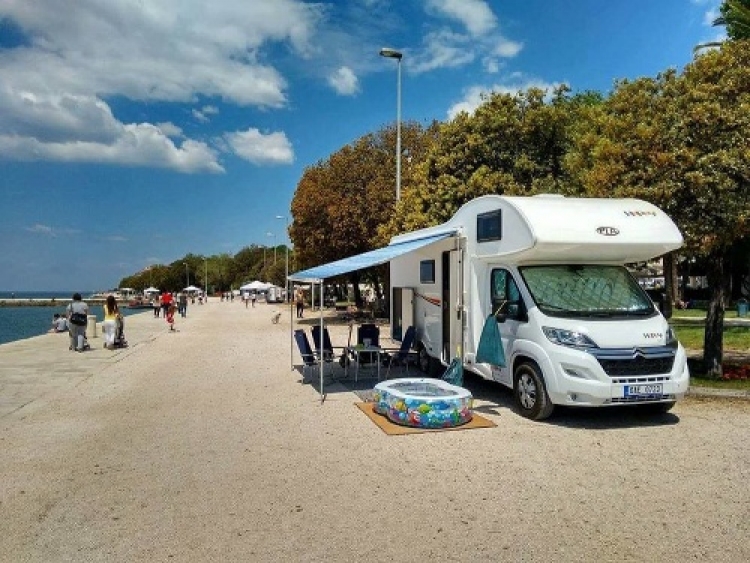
(192, 288)
(151, 290)
(256, 286)
(318, 274)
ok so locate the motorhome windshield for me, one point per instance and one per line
(586, 291)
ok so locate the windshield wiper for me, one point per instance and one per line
(555, 308)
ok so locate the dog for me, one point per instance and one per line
(276, 317)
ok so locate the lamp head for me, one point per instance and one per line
(391, 53)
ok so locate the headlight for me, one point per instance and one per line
(568, 338)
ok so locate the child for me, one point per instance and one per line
(170, 315)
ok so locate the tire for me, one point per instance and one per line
(530, 392)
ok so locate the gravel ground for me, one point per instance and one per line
(203, 445)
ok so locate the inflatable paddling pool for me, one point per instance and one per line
(423, 402)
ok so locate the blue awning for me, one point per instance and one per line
(365, 260)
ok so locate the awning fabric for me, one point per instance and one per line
(364, 260)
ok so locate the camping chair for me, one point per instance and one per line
(309, 359)
(372, 332)
(404, 353)
(328, 354)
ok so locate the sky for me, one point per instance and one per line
(133, 132)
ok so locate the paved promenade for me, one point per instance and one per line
(204, 445)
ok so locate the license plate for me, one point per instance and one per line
(651, 390)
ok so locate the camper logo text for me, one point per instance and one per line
(608, 231)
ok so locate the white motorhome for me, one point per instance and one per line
(576, 328)
(275, 295)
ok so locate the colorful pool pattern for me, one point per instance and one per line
(423, 403)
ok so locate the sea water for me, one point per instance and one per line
(17, 323)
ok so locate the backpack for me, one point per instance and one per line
(78, 319)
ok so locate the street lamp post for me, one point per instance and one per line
(205, 279)
(393, 54)
(270, 234)
(286, 270)
(187, 274)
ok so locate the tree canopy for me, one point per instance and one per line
(735, 16)
(220, 272)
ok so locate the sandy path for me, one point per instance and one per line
(203, 446)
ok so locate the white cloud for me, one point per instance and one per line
(169, 50)
(42, 229)
(170, 129)
(199, 115)
(474, 96)
(73, 59)
(506, 48)
(51, 231)
(344, 81)
(254, 146)
(77, 128)
(203, 113)
(475, 15)
(443, 49)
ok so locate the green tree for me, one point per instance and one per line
(340, 202)
(511, 144)
(679, 141)
(735, 16)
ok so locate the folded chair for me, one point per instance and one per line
(404, 353)
(309, 359)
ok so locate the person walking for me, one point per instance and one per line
(170, 316)
(299, 299)
(253, 296)
(166, 301)
(77, 313)
(183, 305)
(109, 326)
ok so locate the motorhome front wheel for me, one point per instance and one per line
(531, 393)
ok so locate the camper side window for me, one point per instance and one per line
(427, 271)
(506, 298)
(489, 226)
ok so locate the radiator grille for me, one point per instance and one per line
(636, 366)
(621, 363)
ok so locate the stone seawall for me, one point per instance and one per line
(46, 302)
